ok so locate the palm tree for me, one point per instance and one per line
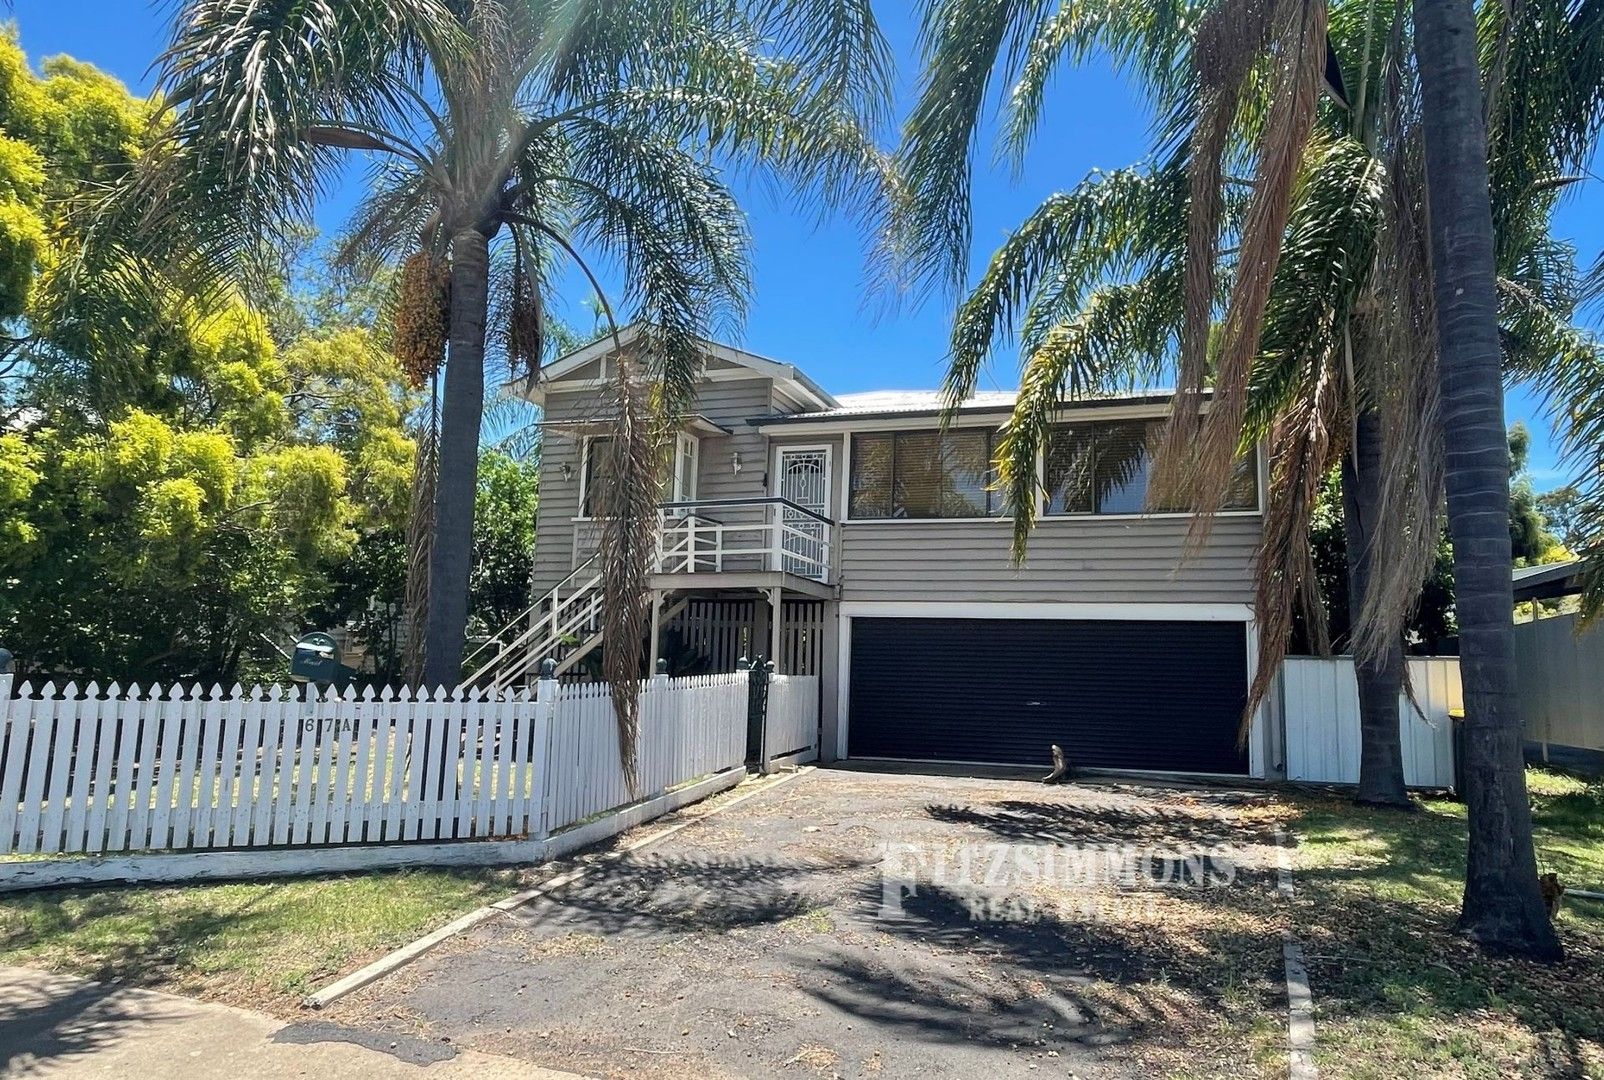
(508, 138)
(1328, 343)
(1503, 905)
(1081, 333)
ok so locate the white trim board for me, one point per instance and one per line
(1147, 612)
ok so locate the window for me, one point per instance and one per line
(597, 474)
(1105, 467)
(923, 474)
(599, 466)
(871, 476)
(1068, 470)
(1122, 464)
(687, 452)
(1097, 467)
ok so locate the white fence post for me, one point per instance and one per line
(657, 735)
(543, 715)
(16, 724)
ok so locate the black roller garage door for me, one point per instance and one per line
(1114, 694)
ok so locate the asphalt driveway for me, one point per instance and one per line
(853, 923)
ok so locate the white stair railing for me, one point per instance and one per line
(568, 616)
(567, 630)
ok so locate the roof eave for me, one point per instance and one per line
(824, 417)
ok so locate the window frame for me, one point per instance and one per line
(687, 449)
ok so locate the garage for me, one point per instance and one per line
(1115, 694)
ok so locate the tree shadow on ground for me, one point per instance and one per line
(42, 1031)
(687, 894)
(1383, 957)
(1050, 980)
(1031, 821)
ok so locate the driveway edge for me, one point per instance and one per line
(1300, 1001)
(406, 954)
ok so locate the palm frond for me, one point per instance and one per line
(965, 45)
(1303, 447)
(1575, 392)
(839, 47)
(1081, 356)
(1230, 40)
(1399, 338)
(1108, 225)
(1325, 268)
(1206, 463)
(1151, 40)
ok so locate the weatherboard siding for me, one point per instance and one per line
(1081, 560)
(559, 496)
(1071, 560)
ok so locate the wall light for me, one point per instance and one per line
(567, 471)
(735, 462)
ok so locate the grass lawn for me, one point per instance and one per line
(263, 945)
(1397, 992)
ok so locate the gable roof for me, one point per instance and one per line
(789, 376)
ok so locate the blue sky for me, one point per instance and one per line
(810, 304)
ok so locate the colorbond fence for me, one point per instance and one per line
(1322, 721)
(95, 770)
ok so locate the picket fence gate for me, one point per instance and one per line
(793, 718)
(94, 771)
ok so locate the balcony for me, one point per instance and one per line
(770, 542)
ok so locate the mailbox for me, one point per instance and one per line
(316, 659)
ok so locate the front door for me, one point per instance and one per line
(804, 479)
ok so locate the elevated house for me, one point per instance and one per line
(850, 536)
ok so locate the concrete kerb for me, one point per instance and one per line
(1300, 1001)
(406, 954)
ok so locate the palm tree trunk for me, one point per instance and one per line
(1380, 678)
(1502, 908)
(461, 408)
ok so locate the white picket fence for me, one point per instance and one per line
(689, 727)
(97, 771)
(793, 718)
(1321, 697)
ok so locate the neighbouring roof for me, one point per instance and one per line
(1549, 581)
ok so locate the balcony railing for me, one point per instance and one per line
(725, 535)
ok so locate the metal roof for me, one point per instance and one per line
(1549, 581)
(894, 404)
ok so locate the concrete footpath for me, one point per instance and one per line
(60, 1026)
